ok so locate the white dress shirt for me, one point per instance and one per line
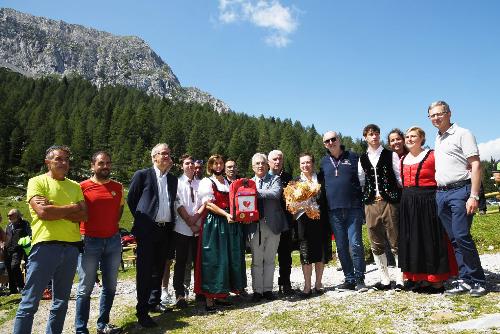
(164, 215)
(185, 200)
(374, 156)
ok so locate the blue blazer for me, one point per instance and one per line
(143, 200)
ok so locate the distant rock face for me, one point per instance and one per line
(36, 46)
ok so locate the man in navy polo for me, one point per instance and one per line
(341, 188)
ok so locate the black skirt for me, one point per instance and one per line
(422, 241)
(315, 242)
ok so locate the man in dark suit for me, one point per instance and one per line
(151, 200)
(275, 160)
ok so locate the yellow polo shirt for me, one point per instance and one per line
(59, 193)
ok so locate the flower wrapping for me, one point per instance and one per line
(301, 196)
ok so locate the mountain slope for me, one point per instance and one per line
(37, 46)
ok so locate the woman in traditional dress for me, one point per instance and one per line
(221, 255)
(315, 245)
(396, 140)
(423, 245)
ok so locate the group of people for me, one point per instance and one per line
(420, 202)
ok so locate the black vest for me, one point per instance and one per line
(387, 182)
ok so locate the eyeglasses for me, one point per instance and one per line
(199, 162)
(163, 153)
(438, 114)
(330, 140)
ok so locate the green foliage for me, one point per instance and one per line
(37, 113)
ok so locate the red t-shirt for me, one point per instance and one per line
(103, 206)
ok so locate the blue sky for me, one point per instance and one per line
(335, 64)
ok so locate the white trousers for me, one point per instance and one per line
(263, 256)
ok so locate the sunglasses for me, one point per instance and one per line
(330, 140)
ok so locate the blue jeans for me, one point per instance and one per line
(46, 262)
(103, 253)
(456, 222)
(346, 226)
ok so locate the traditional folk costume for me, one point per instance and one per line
(220, 266)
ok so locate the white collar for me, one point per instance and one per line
(372, 151)
(158, 172)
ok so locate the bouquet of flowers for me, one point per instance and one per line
(301, 196)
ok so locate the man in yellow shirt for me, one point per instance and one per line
(56, 206)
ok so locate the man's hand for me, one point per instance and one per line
(40, 200)
(471, 205)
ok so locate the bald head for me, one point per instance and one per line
(331, 141)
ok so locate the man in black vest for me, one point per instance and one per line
(151, 200)
(16, 229)
(379, 174)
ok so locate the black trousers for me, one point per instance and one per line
(183, 245)
(13, 266)
(152, 252)
(285, 257)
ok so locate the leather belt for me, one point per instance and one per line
(162, 224)
(453, 185)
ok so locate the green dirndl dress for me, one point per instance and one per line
(221, 253)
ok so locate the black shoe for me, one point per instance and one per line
(269, 295)
(319, 291)
(222, 302)
(146, 321)
(286, 290)
(110, 329)
(199, 298)
(347, 286)
(257, 297)
(211, 308)
(381, 287)
(305, 295)
(181, 302)
(161, 309)
(399, 287)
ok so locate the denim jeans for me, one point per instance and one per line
(47, 261)
(456, 222)
(103, 253)
(346, 226)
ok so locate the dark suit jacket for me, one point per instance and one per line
(143, 200)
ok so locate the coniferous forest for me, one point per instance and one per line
(38, 113)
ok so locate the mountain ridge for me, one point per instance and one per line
(38, 46)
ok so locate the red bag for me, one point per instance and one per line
(243, 201)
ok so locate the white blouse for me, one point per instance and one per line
(205, 190)
(411, 160)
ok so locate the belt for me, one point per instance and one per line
(454, 185)
(162, 224)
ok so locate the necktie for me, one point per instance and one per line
(191, 191)
(260, 201)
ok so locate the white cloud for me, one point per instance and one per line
(490, 149)
(278, 20)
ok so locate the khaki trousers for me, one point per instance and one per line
(382, 218)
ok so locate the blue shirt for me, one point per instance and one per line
(341, 182)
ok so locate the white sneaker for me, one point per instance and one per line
(166, 298)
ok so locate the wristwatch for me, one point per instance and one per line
(476, 197)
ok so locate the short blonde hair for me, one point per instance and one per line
(419, 131)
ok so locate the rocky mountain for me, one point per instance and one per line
(37, 46)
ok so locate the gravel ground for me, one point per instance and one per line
(126, 297)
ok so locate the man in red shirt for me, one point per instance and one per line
(104, 199)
